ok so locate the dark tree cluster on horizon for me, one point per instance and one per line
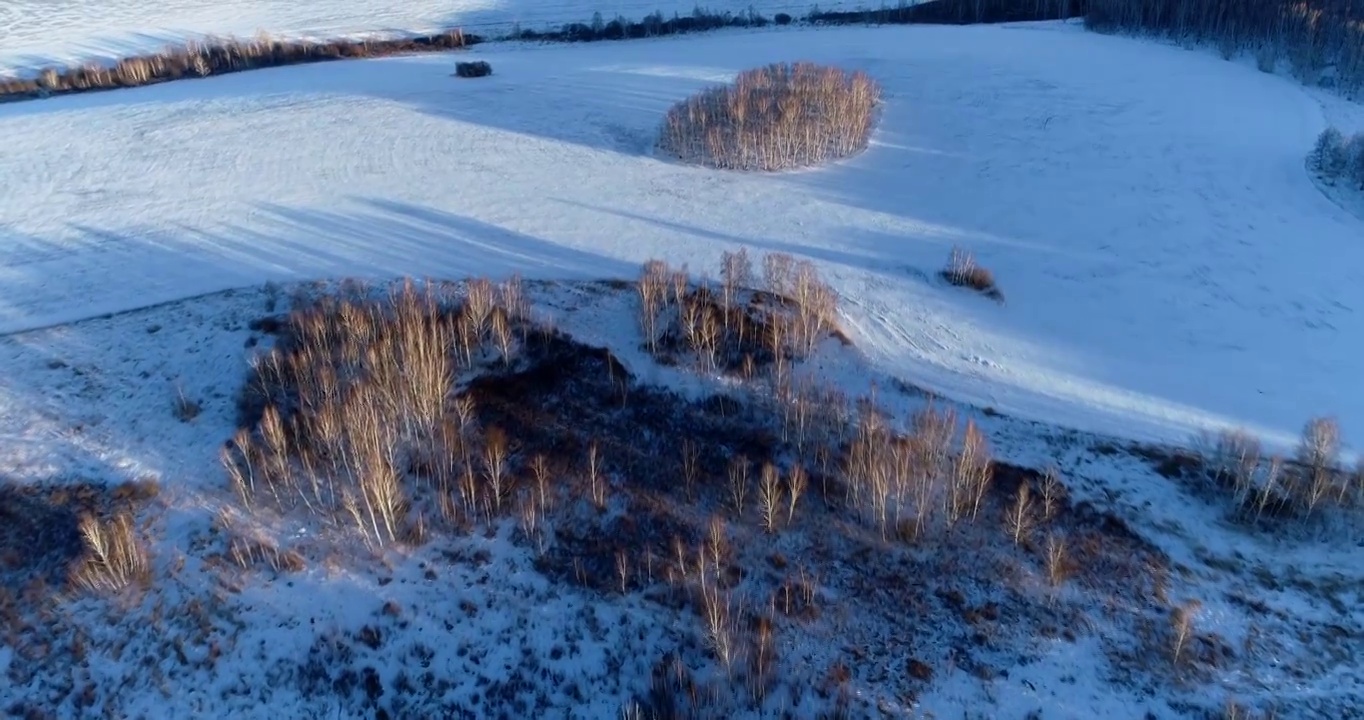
(1322, 40)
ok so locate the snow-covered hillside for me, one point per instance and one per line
(1166, 260)
(268, 616)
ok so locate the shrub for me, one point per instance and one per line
(1182, 629)
(963, 271)
(474, 69)
(1336, 157)
(184, 407)
(114, 556)
(773, 118)
(355, 391)
(782, 19)
(1329, 155)
(1354, 159)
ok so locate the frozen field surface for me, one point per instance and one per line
(35, 33)
(1166, 260)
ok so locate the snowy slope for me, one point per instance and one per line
(93, 400)
(36, 33)
(1165, 258)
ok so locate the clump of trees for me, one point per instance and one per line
(1322, 40)
(1336, 157)
(778, 117)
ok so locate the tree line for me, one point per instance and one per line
(1321, 40)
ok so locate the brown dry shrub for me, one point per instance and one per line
(776, 117)
(115, 557)
(356, 392)
(963, 271)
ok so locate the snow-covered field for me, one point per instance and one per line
(1166, 260)
(39, 33)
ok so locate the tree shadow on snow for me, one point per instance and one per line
(383, 238)
(892, 255)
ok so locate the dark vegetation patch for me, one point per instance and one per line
(474, 69)
(1322, 41)
(567, 395)
(40, 534)
(956, 12)
(750, 508)
(47, 558)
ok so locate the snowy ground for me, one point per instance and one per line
(470, 622)
(39, 33)
(1166, 260)
(1145, 208)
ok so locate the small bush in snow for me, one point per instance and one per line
(1328, 155)
(774, 118)
(963, 271)
(473, 69)
(115, 557)
(1336, 157)
(184, 407)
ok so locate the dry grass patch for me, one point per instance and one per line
(775, 118)
(115, 557)
(215, 57)
(81, 535)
